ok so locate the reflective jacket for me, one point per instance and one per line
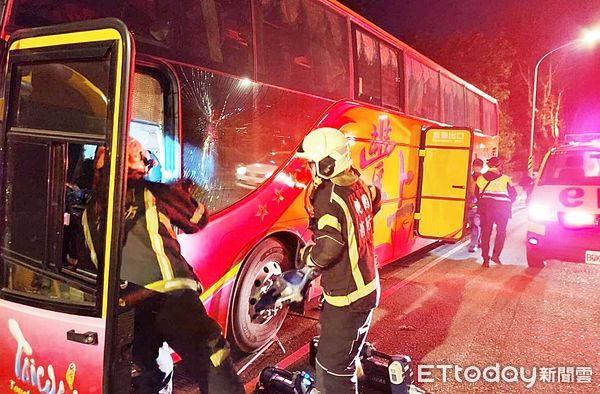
(495, 186)
(343, 233)
(151, 255)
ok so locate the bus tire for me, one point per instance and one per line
(534, 260)
(250, 330)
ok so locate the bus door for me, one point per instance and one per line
(444, 172)
(66, 98)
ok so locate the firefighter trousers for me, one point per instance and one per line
(179, 318)
(343, 334)
(491, 212)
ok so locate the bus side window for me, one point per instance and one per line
(368, 67)
(302, 45)
(153, 126)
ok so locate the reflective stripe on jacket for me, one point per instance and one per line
(343, 235)
(496, 187)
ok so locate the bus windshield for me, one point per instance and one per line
(237, 134)
(581, 167)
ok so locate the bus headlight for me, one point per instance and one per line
(579, 219)
(241, 170)
(542, 213)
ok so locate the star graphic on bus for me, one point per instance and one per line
(262, 211)
(278, 196)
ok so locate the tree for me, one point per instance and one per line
(548, 118)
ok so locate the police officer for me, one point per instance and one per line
(342, 219)
(495, 194)
(161, 285)
(473, 214)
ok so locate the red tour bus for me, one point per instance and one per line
(222, 93)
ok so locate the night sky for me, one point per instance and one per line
(534, 26)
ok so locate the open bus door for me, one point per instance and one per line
(444, 171)
(66, 96)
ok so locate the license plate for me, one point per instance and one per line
(592, 257)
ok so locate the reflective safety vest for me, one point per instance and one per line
(343, 235)
(495, 189)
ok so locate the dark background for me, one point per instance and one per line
(530, 27)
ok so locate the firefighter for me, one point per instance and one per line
(159, 283)
(342, 208)
(495, 194)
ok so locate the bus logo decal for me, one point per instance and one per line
(381, 145)
(70, 376)
(27, 372)
(571, 197)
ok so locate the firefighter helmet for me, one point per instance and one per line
(328, 149)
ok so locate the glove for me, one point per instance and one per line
(304, 260)
(76, 199)
(302, 256)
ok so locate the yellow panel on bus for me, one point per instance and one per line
(441, 219)
(444, 176)
(445, 167)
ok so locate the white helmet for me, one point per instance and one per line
(328, 149)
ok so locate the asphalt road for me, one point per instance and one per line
(444, 310)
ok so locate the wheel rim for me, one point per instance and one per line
(263, 280)
(267, 260)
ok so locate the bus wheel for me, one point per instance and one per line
(250, 329)
(534, 260)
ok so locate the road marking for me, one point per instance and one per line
(303, 351)
(420, 272)
(292, 358)
(257, 355)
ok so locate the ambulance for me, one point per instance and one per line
(564, 207)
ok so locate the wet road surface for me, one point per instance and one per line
(443, 309)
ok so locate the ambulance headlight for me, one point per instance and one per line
(579, 219)
(533, 241)
(542, 213)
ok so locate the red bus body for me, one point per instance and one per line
(385, 142)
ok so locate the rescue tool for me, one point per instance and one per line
(380, 371)
(289, 287)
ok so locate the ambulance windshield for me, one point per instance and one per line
(579, 167)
